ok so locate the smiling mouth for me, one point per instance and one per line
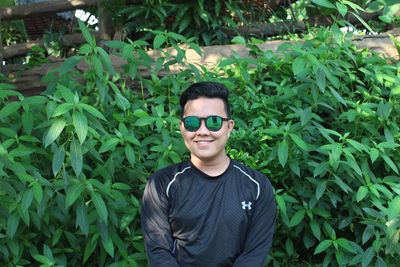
(204, 141)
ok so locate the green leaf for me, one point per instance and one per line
(145, 121)
(283, 152)
(93, 111)
(75, 153)
(130, 154)
(109, 144)
(106, 60)
(37, 191)
(98, 66)
(395, 90)
(281, 204)
(66, 93)
(367, 258)
(35, 100)
(90, 247)
(324, 3)
(344, 243)
(238, 40)
(54, 131)
(62, 109)
(337, 96)
(353, 164)
(367, 234)
(12, 225)
(321, 80)
(389, 162)
(82, 218)
(122, 102)
(357, 145)
(322, 246)
(295, 168)
(341, 8)
(81, 125)
(58, 159)
(27, 122)
(21, 151)
(363, 22)
(159, 40)
(394, 208)
(69, 64)
(297, 218)
(121, 186)
(320, 189)
(27, 199)
(316, 230)
(298, 66)
(336, 151)
(298, 141)
(24, 215)
(108, 246)
(73, 193)
(86, 34)
(361, 193)
(373, 154)
(100, 206)
(345, 187)
(9, 109)
(131, 139)
(43, 259)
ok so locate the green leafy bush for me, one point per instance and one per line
(320, 118)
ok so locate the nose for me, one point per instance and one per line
(203, 130)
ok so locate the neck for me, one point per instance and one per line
(213, 167)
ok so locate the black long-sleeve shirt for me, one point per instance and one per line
(192, 219)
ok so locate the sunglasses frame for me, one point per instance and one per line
(200, 119)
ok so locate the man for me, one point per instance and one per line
(211, 211)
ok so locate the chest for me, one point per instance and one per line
(197, 205)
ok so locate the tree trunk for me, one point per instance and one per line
(1, 50)
(106, 28)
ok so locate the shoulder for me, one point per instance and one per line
(260, 179)
(164, 177)
(168, 173)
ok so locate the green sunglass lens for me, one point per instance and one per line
(191, 123)
(214, 123)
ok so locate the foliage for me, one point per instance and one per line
(213, 22)
(321, 119)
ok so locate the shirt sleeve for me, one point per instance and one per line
(259, 236)
(157, 233)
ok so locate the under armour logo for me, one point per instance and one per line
(246, 205)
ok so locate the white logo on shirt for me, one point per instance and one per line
(246, 205)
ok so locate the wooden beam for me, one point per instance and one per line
(40, 8)
(21, 49)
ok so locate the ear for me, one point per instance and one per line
(231, 124)
(181, 127)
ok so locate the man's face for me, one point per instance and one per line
(206, 145)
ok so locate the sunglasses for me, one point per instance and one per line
(213, 123)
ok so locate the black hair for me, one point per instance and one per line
(208, 90)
